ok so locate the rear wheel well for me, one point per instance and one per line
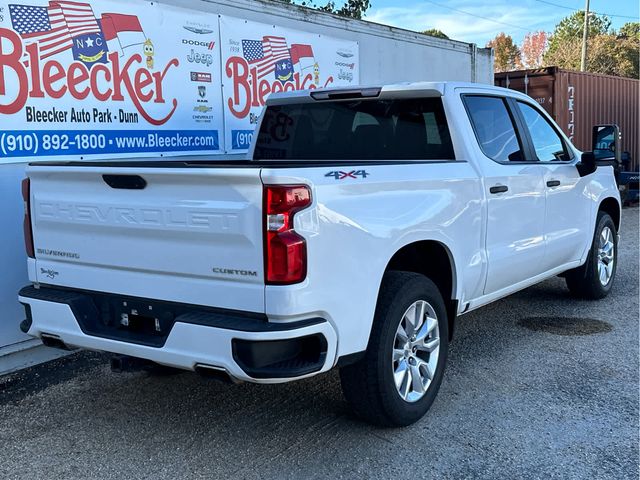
(433, 260)
(612, 207)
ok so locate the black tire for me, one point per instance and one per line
(584, 281)
(369, 384)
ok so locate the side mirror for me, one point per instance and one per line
(605, 143)
(587, 164)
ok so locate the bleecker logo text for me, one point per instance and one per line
(51, 80)
(250, 90)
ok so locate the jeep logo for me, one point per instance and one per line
(203, 58)
(196, 43)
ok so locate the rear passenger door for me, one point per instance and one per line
(568, 209)
(515, 193)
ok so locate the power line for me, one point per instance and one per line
(579, 10)
(478, 16)
(511, 24)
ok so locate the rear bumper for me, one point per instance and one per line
(246, 346)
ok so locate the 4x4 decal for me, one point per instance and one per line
(339, 175)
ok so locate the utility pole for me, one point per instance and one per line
(585, 37)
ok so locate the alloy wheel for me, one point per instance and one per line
(606, 256)
(415, 351)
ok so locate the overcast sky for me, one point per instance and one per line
(514, 17)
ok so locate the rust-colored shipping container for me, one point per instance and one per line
(577, 101)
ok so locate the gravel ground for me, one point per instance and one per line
(555, 396)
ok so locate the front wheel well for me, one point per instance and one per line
(612, 207)
(433, 260)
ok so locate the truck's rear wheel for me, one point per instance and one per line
(594, 279)
(399, 377)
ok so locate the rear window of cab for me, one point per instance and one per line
(371, 129)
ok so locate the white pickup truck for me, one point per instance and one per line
(364, 223)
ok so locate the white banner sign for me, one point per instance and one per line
(120, 79)
(108, 78)
(259, 59)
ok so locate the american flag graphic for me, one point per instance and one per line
(79, 17)
(264, 54)
(53, 27)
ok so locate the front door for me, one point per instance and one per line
(568, 208)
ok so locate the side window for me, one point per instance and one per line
(494, 128)
(547, 142)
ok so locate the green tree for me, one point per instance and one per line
(350, 8)
(434, 32)
(629, 49)
(572, 27)
(607, 53)
(506, 53)
(630, 30)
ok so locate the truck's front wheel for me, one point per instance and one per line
(594, 279)
(399, 377)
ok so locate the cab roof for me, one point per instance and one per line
(394, 90)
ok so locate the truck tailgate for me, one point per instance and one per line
(191, 235)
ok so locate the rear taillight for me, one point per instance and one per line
(285, 250)
(26, 224)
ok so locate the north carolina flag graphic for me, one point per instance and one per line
(122, 31)
(302, 56)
